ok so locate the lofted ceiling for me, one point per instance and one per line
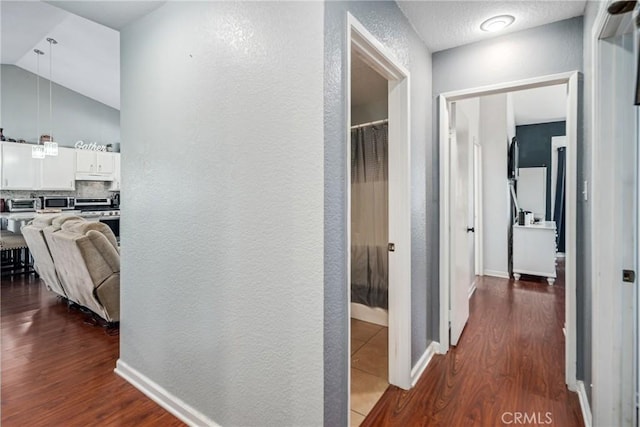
(446, 24)
(87, 58)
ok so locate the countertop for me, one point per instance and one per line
(20, 216)
(545, 225)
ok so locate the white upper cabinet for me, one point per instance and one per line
(58, 172)
(19, 169)
(95, 165)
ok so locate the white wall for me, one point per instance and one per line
(222, 229)
(371, 112)
(511, 117)
(494, 137)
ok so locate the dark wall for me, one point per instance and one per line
(534, 143)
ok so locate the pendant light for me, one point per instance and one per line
(37, 151)
(51, 147)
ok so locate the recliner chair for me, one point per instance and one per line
(33, 233)
(87, 259)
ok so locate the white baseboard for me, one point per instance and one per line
(162, 397)
(495, 273)
(376, 315)
(423, 362)
(584, 404)
(472, 289)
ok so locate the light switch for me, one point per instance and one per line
(585, 191)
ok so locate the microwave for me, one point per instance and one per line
(57, 202)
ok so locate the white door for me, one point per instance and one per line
(462, 271)
(105, 162)
(615, 341)
(85, 161)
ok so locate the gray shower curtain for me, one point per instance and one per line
(369, 216)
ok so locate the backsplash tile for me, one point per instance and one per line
(92, 189)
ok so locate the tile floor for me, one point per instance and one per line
(369, 367)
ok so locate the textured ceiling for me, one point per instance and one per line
(446, 24)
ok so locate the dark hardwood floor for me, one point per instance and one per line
(57, 369)
(509, 363)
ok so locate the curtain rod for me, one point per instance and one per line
(377, 122)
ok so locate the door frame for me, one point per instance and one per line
(571, 80)
(608, 377)
(381, 59)
(477, 210)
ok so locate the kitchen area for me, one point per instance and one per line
(76, 182)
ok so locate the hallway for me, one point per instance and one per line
(507, 370)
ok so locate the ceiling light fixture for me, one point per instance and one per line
(51, 147)
(497, 23)
(37, 151)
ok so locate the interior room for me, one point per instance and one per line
(503, 201)
(369, 238)
(335, 213)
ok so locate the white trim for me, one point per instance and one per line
(496, 273)
(477, 208)
(584, 404)
(571, 80)
(443, 131)
(376, 315)
(162, 397)
(374, 53)
(473, 288)
(423, 362)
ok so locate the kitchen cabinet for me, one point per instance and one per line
(19, 169)
(534, 250)
(115, 185)
(58, 172)
(94, 165)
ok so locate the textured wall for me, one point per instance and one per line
(391, 28)
(548, 49)
(76, 117)
(222, 258)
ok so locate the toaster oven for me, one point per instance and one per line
(22, 205)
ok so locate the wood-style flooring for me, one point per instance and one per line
(509, 363)
(57, 369)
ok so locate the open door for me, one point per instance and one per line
(616, 236)
(462, 259)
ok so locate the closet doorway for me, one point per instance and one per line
(378, 221)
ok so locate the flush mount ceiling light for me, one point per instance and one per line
(497, 23)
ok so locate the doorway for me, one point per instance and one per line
(369, 54)
(451, 289)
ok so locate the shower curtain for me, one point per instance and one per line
(369, 216)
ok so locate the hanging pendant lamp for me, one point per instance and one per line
(37, 151)
(51, 147)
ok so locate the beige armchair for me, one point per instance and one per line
(87, 259)
(33, 234)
